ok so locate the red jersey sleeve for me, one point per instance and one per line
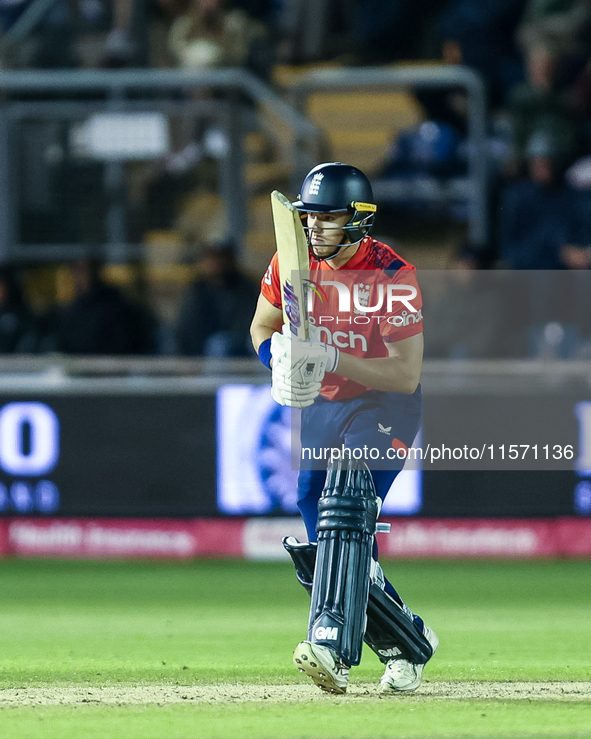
(404, 317)
(270, 285)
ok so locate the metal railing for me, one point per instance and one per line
(435, 77)
(75, 95)
(155, 375)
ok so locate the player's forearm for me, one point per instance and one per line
(388, 374)
(260, 333)
(267, 319)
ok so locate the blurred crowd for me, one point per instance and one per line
(99, 318)
(535, 59)
(111, 34)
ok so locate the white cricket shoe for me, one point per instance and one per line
(323, 665)
(400, 674)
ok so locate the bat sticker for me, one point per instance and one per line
(292, 307)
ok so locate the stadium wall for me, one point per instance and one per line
(260, 538)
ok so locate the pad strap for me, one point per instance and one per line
(303, 555)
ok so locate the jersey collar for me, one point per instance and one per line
(360, 256)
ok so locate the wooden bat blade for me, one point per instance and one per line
(294, 263)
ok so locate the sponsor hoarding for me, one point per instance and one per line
(260, 538)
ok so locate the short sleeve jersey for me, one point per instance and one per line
(371, 301)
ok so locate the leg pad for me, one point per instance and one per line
(347, 513)
(390, 631)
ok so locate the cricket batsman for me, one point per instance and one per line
(356, 379)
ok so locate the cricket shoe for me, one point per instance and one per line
(323, 665)
(400, 674)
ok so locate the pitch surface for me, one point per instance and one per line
(230, 694)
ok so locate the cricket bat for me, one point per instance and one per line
(294, 263)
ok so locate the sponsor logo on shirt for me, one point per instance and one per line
(343, 339)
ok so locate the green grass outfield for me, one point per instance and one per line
(100, 650)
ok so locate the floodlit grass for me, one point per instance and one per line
(98, 624)
(385, 720)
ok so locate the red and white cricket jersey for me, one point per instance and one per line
(372, 300)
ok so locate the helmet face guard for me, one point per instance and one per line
(337, 187)
(356, 229)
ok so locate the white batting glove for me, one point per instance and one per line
(298, 368)
(303, 361)
(286, 392)
(314, 333)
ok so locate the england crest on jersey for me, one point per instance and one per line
(362, 294)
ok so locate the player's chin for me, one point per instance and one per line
(322, 251)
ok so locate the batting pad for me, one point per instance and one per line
(347, 513)
(303, 555)
(390, 631)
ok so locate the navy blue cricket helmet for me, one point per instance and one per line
(333, 187)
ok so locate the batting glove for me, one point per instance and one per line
(303, 361)
(286, 392)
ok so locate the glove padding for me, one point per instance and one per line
(296, 395)
(303, 361)
(298, 368)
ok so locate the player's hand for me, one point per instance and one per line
(298, 368)
(286, 392)
(303, 361)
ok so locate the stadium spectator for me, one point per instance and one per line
(479, 33)
(532, 108)
(112, 34)
(210, 35)
(554, 35)
(215, 315)
(77, 33)
(18, 329)
(100, 319)
(554, 38)
(544, 224)
(126, 43)
(538, 214)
